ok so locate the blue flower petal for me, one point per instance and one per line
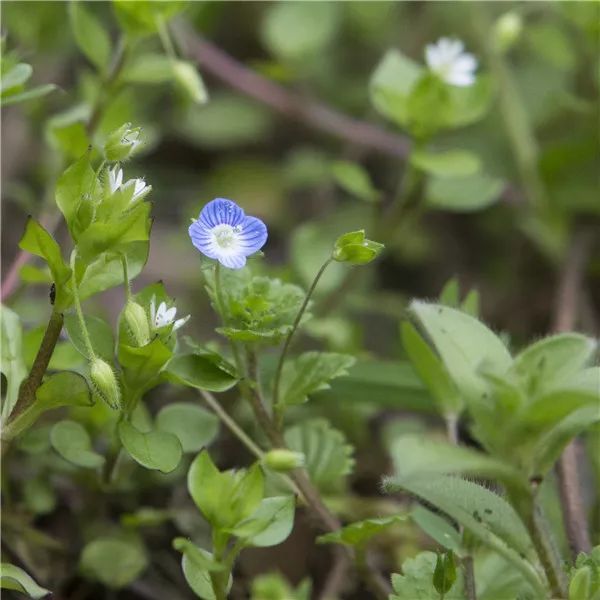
(252, 236)
(232, 261)
(221, 211)
(202, 239)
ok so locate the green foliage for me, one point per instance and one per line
(585, 576)
(158, 450)
(355, 249)
(328, 457)
(90, 36)
(72, 442)
(115, 561)
(355, 180)
(274, 587)
(418, 577)
(194, 426)
(100, 335)
(13, 367)
(311, 372)
(12, 85)
(361, 532)
(14, 578)
(444, 575)
(200, 372)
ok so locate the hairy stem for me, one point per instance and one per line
(290, 335)
(126, 280)
(84, 332)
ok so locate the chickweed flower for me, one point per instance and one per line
(122, 143)
(164, 316)
(450, 62)
(139, 188)
(224, 232)
(115, 179)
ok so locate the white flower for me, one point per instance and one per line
(115, 179)
(140, 189)
(447, 59)
(164, 316)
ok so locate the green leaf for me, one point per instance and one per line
(148, 68)
(224, 498)
(391, 84)
(551, 360)
(75, 186)
(355, 249)
(90, 36)
(197, 565)
(115, 562)
(296, 30)
(61, 389)
(187, 76)
(39, 496)
(39, 242)
(419, 456)
(142, 17)
(416, 581)
(437, 528)
(155, 450)
(270, 524)
(142, 366)
(353, 178)
(199, 372)
(194, 426)
(14, 578)
(11, 353)
(15, 77)
(463, 194)
(31, 94)
(328, 457)
(273, 586)
(100, 335)
(361, 532)
(73, 443)
(310, 372)
(485, 514)
(431, 371)
(451, 163)
(464, 345)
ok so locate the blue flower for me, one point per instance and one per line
(224, 232)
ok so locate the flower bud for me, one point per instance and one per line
(121, 143)
(105, 382)
(507, 30)
(355, 249)
(136, 321)
(282, 460)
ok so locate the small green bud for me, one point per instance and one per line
(105, 382)
(121, 143)
(355, 249)
(136, 321)
(580, 587)
(507, 30)
(282, 459)
(187, 76)
(444, 574)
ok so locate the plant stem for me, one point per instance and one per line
(290, 335)
(469, 571)
(378, 585)
(84, 332)
(126, 280)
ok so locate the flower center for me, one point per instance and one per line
(225, 235)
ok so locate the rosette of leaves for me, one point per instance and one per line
(257, 309)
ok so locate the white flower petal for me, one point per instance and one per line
(448, 60)
(181, 322)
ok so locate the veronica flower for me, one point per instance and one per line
(224, 232)
(164, 316)
(448, 60)
(115, 179)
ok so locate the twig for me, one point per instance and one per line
(309, 112)
(565, 313)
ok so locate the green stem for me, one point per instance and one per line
(126, 280)
(290, 335)
(165, 38)
(84, 332)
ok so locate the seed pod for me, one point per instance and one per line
(105, 382)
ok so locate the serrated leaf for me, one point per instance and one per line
(359, 533)
(155, 450)
(328, 456)
(100, 334)
(194, 426)
(115, 562)
(270, 524)
(71, 440)
(89, 34)
(311, 372)
(14, 578)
